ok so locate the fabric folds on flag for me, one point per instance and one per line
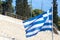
(38, 23)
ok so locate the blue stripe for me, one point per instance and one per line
(47, 24)
(44, 13)
(37, 32)
(44, 29)
(36, 17)
(50, 10)
(30, 19)
(50, 17)
(31, 35)
(34, 23)
(37, 28)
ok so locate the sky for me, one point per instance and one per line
(42, 4)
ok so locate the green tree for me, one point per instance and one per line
(36, 12)
(9, 5)
(0, 2)
(4, 7)
(22, 9)
(59, 23)
(0, 7)
(55, 16)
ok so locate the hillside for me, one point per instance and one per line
(14, 28)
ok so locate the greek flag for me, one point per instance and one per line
(38, 23)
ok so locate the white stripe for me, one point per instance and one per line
(47, 26)
(27, 23)
(50, 13)
(39, 19)
(49, 21)
(35, 26)
(31, 33)
(45, 15)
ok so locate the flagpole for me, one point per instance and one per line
(52, 23)
(52, 20)
(42, 5)
(31, 8)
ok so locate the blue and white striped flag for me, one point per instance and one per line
(39, 23)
